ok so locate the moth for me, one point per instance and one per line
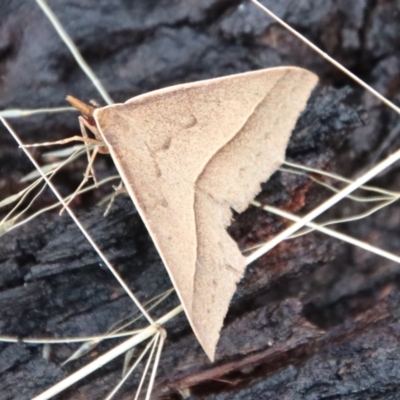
(188, 155)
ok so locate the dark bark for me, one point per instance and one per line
(315, 318)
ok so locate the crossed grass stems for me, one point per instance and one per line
(154, 333)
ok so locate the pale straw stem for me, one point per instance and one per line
(328, 57)
(74, 50)
(324, 206)
(77, 222)
(330, 232)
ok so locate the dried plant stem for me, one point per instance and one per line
(131, 369)
(147, 366)
(330, 232)
(18, 113)
(107, 357)
(324, 206)
(341, 179)
(74, 50)
(77, 222)
(328, 58)
(55, 205)
(161, 341)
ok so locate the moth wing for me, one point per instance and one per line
(187, 155)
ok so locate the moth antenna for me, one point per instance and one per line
(84, 108)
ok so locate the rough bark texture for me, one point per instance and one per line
(313, 319)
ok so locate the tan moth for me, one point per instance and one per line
(189, 153)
